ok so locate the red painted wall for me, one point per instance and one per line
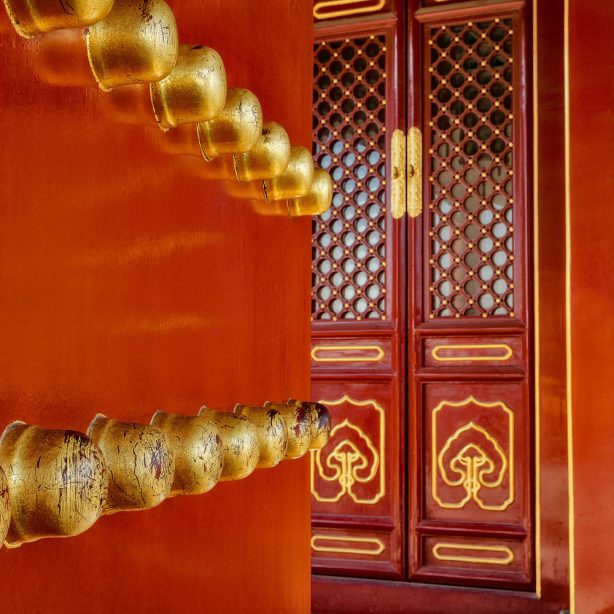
(131, 283)
(548, 119)
(591, 139)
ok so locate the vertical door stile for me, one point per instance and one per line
(413, 277)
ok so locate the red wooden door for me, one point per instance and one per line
(130, 283)
(429, 478)
(471, 402)
(358, 329)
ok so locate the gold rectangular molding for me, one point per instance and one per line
(329, 9)
(414, 172)
(369, 542)
(471, 553)
(318, 353)
(398, 186)
(506, 352)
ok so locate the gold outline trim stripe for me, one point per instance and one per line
(508, 352)
(568, 345)
(465, 558)
(359, 10)
(381, 546)
(330, 348)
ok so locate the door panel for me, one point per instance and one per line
(362, 355)
(366, 552)
(474, 461)
(353, 242)
(356, 474)
(474, 134)
(492, 354)
(475, 484)
(472, 560)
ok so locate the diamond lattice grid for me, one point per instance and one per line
(470, 176)
(349, 142)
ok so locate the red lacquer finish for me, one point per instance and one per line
(358, 306)
(132, 283)
(367, 444)
(551, 498)
(486, 371)
(591, 228)
(473, 418)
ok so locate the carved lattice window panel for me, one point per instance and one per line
(349, 141)
(470, 115)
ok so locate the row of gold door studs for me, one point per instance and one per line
(131, 42)
(57, 483)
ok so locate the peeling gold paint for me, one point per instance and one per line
(239, 443)
(136, 42)
(140, 461)
(272, 433)
(57, 482)
(195, 91)
(5, 507)
(300, 422)
(197, 446)
(32, 18)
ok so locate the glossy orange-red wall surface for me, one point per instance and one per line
(130, 283)
(590, 138)
(551, 503)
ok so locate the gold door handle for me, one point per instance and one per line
(398, 186)
(414, 172)
(406, 171)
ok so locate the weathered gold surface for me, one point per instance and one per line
(195, 91)
(197, 446)
(135, 43)
(320, 422)
(414, 172)
(398, 174)
(5, 507)
(57, 482)
(296, 179)
(31, 17)
(140, 461)
(317, 200)
(272, 433)
(268, 158)
(240, 443)
(236, 129)
(299, 421)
